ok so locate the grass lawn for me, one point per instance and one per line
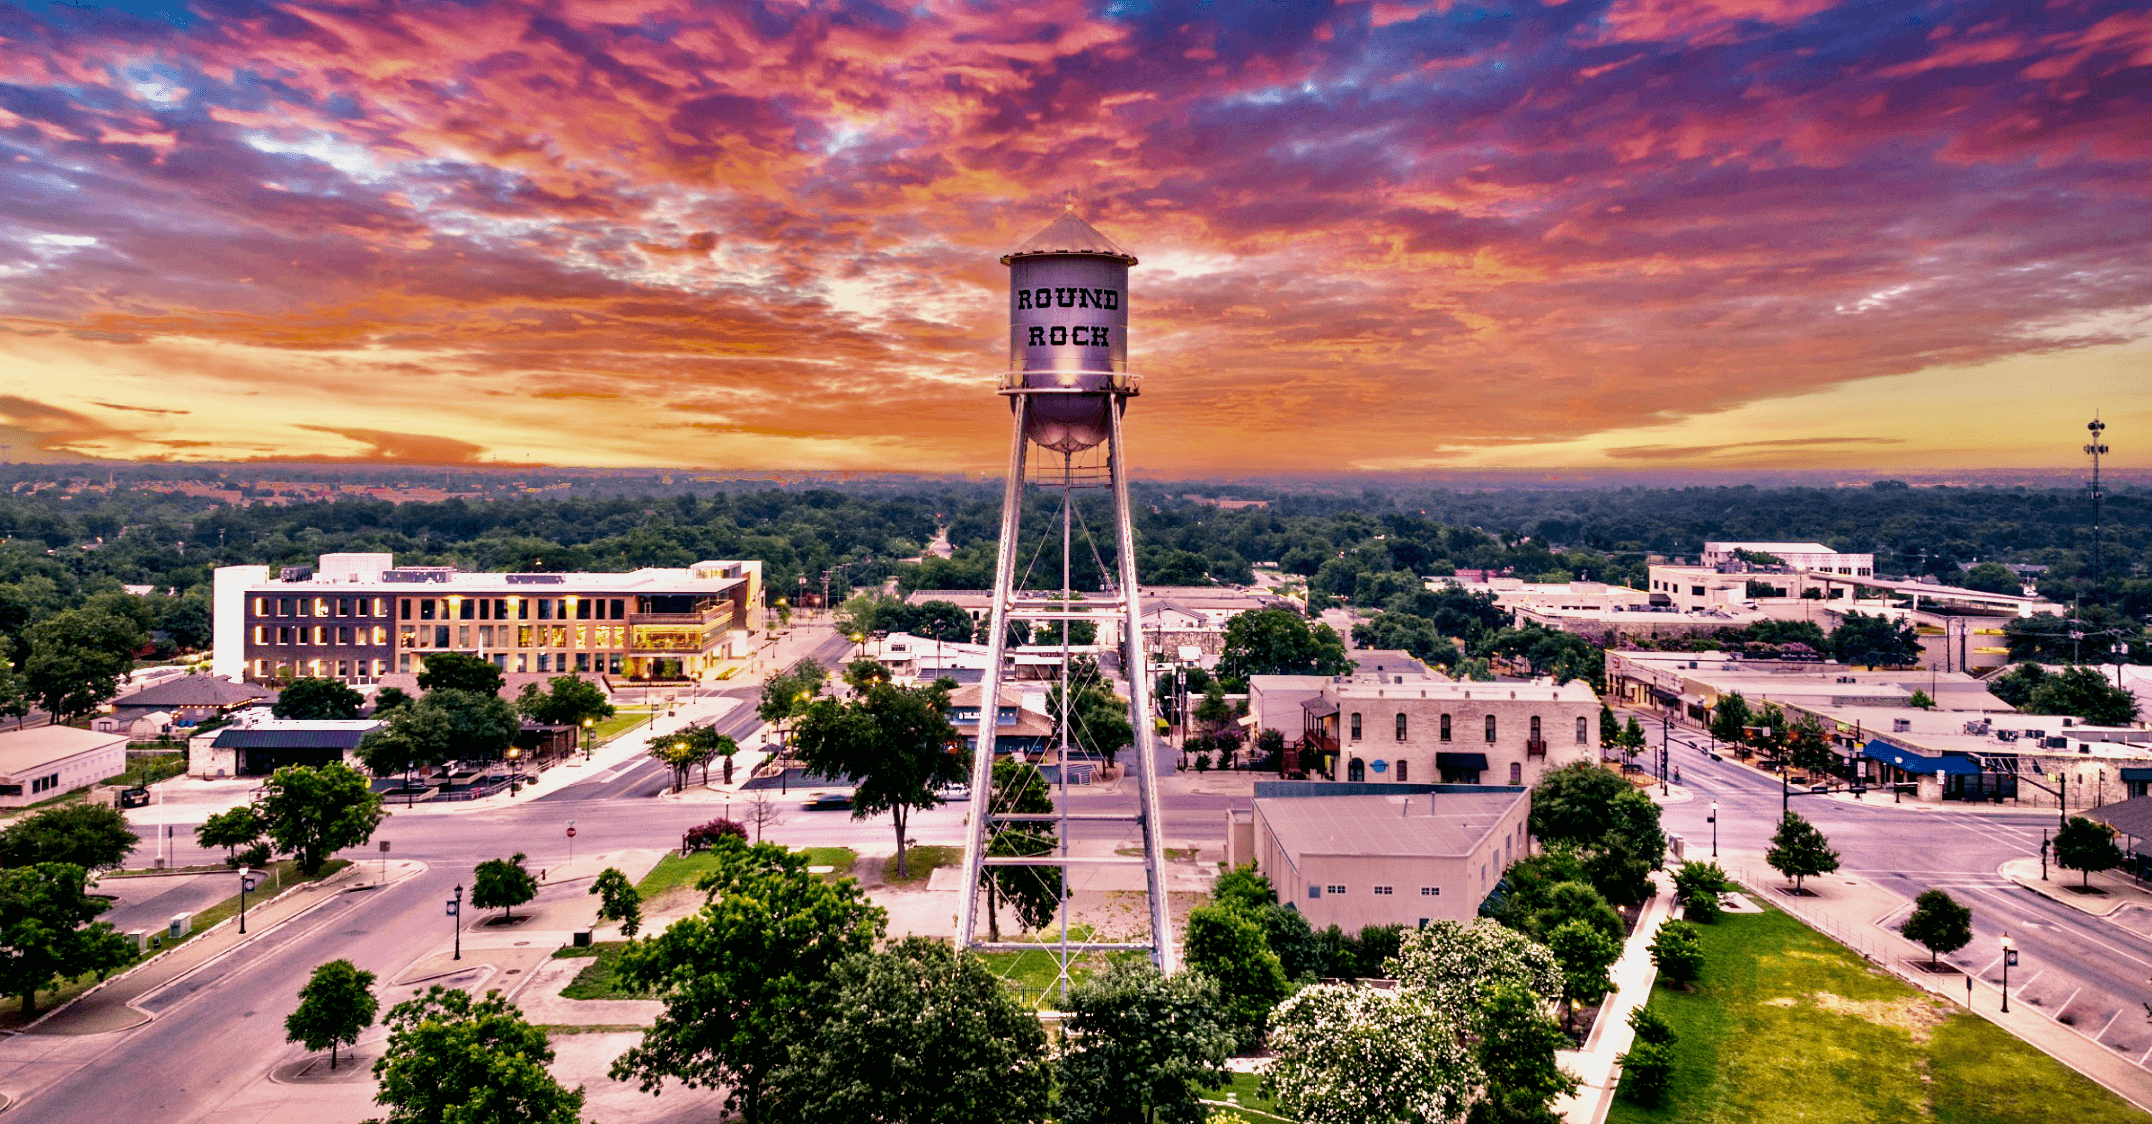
(624, 719)
(919, 863)
(1248, 1099)
(840, 857)
(600, 979)
(674, 872)
(1788, 1025)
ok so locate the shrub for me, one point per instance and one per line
(1647, 1071)
(1697, 887)
(703, 836)
(1678, 952)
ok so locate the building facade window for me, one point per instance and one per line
(1516, 772)
(1383, 891)
(1356, 770)
(1400, 725)
(1430, 891)
(1333, 890)
(1490, 728)
(1356, 725)
(1583, 734)
(1401, 770)
(1445, 727)
(1535, 728)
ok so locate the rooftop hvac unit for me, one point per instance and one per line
(1901, 725)
(2056, 743)
(2006, 735)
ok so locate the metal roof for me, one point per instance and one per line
(1069, 235)
(40, 746)
(288, 739)
(1915, 763)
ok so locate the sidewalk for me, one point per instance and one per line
(2117, 890)
(110, 1005)
(1855, 912)
(1634, 975)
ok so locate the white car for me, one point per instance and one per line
(952, 793)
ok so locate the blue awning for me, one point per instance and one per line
(1915, 763)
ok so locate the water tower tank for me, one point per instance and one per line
(1068, 330)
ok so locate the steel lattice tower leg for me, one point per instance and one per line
(1123, 609)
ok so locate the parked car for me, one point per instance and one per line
(829, 802)
(953, 793)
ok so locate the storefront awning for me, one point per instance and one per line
(1461, 762)
(1915, 763)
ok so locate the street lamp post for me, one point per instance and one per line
(1714, 829)
(2043, 854)
(515, 768)
(590, 734)
(455, 922)
(2010, 952)
(246, 883)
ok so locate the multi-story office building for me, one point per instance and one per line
(359, 617)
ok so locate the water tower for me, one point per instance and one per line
(1068, 385)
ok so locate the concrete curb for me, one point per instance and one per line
(353, 873)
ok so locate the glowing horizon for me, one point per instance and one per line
(1683, 234)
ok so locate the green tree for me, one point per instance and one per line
(1678, 951)
(1353, 1055)
(1278, 641)
(917, 1034)
(336, 1004)
(232, 829)
(2084, 693)
(1876, 641)
(1808, 745)
(1570, 805)
(741, 976)
(1099, 719)
(567, 701)
(1728, 719)
(1919, 700)
(1243, 889)
(860, 673)
(1564, 902)
(787, 693)
(312, 812)
(893, 743)
(1456, 963)
(1697, 887)
(2086, 845)
(452, 1059)
(2016, 685)
(77, 659)
(1940, 923)
(1035, 891)
(1417, 636)
(618, 901)
(1584, 955)
(1214, 711)
(1647, 1071)
(1230, 948)
(503, 884)
(313, 697)
(1993, 577)
(461, 671)
(91, 836)
(1799, 851)
(941, 620)
(1139, 1047)
(443, 725)
(389, 698)
(1516, 1054)
(15, 701)
(46, 934)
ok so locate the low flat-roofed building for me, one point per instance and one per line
(44, 761)
(1695, 681)
(1797, 555)
(2024, 759)
(261, 747)
(1396, 857)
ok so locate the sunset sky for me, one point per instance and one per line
(1387, 236)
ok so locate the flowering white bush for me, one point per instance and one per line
(1355, 1055)
(1455, 963)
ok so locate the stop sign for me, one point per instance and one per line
(571, 833)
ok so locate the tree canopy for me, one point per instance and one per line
(1278, 641)
(1799, 851)
(1939, 922)
(451, 1058)
(91, 836)
(1138, 1046)
(894, 743)
(461, 671)
(46, 931)
(336, 1004)
(2087, 846)
(313, 812)
(503, 884)
(567, 700)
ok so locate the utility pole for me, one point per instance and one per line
(2096, 448)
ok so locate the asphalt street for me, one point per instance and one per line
(2091, 973)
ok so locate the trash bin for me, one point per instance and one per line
(582, 938)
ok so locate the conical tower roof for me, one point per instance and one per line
(1069, 235)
